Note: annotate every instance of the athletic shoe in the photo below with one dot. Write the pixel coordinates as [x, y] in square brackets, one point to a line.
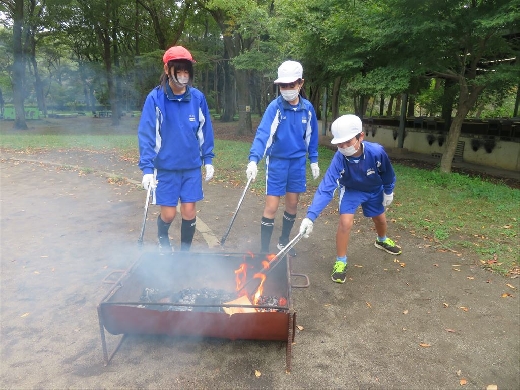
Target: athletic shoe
[164, 245]
[291, 253]
[339, 272]
[389, 246]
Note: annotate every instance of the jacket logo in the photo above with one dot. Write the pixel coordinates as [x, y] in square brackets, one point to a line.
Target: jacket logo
[304, 120]
[191, 118]
[370, 171]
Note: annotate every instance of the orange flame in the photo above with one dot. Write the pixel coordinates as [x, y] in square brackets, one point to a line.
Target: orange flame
[260, 289]
[241, 276]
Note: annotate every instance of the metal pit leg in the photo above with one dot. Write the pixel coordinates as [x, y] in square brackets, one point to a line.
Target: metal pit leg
[106, 358]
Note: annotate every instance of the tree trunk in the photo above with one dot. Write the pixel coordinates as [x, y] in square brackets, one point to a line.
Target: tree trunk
[397, 105]
[517, 101]
[447, 103]
[244, 107]
[467, 98]
[228, 90]
[18, 67]
[315, 99]
[389, 109]
[411, 107]
[335, 97]
[382, 105]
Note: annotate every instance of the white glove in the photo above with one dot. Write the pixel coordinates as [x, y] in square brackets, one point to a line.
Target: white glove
[387, 199]
[306, 227]
[252, 170]
[315, 170]
[149, 181]
[210, 171]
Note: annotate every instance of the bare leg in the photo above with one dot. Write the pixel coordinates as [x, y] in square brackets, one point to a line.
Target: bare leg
[343, 233]
[380, 225]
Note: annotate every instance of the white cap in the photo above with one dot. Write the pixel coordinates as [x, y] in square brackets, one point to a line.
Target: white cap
[289, 72]
[345, 127]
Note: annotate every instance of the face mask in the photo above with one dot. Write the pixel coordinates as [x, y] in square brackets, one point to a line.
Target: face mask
[349, 150]
[289, 94]
[181, 81]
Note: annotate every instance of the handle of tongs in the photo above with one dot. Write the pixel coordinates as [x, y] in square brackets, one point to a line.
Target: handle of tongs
[276, 260]
[224, 237]
[147, 203]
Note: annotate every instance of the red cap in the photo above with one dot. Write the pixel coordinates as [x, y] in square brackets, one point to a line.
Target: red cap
[177, 53]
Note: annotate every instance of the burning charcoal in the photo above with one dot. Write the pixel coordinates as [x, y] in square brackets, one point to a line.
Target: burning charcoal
[264, 300]
[149, 295]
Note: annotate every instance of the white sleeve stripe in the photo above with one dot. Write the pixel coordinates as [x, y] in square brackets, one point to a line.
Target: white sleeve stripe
[274, 126]
[200, 134]
[158, 123]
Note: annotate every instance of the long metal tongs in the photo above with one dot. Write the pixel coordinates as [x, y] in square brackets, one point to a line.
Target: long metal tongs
[147, 203]
[224, 237]
[276, 260]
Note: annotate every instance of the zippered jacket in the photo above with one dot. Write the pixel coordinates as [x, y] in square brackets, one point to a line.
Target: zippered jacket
[175, 133]
[369, 174]
[285, 132]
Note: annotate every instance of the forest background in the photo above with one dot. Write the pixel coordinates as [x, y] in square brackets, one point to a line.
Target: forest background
[451, 59]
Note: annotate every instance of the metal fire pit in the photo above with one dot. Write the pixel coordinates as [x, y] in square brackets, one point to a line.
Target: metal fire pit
[188, 294]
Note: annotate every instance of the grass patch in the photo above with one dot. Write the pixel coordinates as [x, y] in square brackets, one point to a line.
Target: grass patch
[456, 212]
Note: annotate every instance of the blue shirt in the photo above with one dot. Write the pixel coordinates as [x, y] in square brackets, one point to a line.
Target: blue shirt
[371, 172]
[286, 132]
[175, 132]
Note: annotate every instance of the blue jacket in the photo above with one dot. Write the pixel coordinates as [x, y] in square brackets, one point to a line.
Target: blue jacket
[175, 133]
[285, 132]
[372, 172]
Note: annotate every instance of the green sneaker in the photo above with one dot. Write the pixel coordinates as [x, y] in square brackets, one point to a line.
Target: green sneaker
[389, 246]
[339, 272]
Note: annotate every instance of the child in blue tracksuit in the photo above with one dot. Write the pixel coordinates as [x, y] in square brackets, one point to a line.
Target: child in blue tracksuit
[175, 138]
[363, 174]
[286, 136]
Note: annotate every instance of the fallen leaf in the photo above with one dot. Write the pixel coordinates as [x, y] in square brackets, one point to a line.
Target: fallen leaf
[24, 315]
[327, 304]
[425, 345]
[445, 304]
[396, 261]
[505, 295]
[359, 266]
[456, 269]
[37, 272]
[299, 327]
[459, 373]
[492, 387]
[455, 265]
[464, 308]
[258, 373]
[510, 286]
[470, 277]
[402, 264]
[436, 265]
[450, 330]
[369, 305]
[463, 382]
[405, 312]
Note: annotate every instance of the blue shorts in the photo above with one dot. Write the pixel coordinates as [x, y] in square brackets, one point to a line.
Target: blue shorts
[371, 202]
[285, 175]
[185, 185]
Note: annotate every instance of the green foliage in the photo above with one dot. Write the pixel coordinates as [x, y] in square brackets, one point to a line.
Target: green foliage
[389, 80]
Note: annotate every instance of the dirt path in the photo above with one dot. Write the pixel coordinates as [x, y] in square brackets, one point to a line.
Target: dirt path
[65, 229]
